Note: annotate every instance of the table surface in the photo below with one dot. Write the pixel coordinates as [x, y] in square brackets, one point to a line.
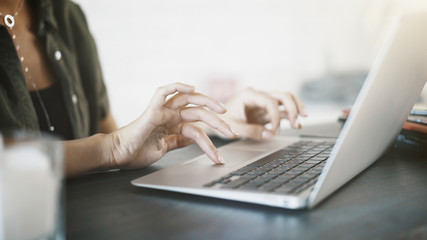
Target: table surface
[386, 201]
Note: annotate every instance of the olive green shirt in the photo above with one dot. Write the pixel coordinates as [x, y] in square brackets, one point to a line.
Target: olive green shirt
[72, 55]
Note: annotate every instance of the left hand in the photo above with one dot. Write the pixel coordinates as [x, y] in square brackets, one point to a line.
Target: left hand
[165, 125]
[250, 111]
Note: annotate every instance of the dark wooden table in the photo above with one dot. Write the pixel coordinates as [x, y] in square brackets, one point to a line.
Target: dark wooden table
[386, 201]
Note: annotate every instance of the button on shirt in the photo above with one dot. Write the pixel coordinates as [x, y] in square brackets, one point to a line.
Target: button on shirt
[58, 55]
[71, 51]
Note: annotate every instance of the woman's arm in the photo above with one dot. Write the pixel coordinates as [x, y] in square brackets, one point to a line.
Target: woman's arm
[86, 154]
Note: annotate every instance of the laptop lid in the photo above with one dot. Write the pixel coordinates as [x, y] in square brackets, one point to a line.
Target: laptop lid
[392, 87]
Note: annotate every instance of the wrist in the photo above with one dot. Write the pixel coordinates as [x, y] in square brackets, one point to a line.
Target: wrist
[88, 154]
[106, 150]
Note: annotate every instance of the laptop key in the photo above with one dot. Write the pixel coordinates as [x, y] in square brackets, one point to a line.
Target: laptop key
[296, 171]
[272, 164]
[311, 173]
[299, 168]
[284, 189]
[317, 168]
[248, 176]
[303, 178]
[281, 170]
[308, 164]
[319, 158]
[267, 176]
[266, 159]
[280, 181]
[237, 173]
[285, 177]
[303, 187]
[289, 164]
[249, 186]
[268, 187]
[295, 161]
[273, 173]
[247, 168]
[259, 180]
[259, 171]
[292, 173]
[236, 183]
[296, 182]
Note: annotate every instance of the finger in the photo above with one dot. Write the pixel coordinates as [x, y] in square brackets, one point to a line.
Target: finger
[177, 141]
[301, 109]
[300, 105]
[254, 131]
[291, 108]
[198, 135]
[193, 114]
[181, 100]
[162, 93]
[284, 115]
[270, 104]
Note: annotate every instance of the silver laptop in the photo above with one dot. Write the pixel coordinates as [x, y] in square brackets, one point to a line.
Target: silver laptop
[297, 173]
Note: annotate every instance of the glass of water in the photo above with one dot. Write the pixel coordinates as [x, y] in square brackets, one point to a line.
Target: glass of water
[31, 186]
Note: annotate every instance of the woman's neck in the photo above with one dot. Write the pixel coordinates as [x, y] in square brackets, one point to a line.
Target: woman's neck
[9, 6]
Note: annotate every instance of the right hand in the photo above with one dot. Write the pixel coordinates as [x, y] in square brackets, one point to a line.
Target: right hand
[166, 125]
[251, 110]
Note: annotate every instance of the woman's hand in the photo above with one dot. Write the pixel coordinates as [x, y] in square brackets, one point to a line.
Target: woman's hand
[165, 125]
[251, 110]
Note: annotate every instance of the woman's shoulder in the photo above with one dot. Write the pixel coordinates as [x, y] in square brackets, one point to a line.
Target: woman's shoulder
[69, 20]
[66, 11]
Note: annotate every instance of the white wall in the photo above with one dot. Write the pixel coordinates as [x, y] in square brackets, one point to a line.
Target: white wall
[268, 44]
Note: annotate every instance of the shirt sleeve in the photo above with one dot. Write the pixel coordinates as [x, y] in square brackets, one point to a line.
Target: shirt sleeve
[89, 68]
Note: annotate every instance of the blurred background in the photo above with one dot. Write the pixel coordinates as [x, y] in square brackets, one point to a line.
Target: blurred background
[321, 50]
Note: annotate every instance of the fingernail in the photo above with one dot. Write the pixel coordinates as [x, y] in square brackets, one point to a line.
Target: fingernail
[304, 112]
[236, 133]
[295, 123]
[221, 160]
[266, 134]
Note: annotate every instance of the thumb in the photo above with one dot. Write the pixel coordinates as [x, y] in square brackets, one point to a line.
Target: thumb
[254, 131]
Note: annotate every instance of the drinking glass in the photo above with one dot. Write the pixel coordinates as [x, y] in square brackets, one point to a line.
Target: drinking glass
[31, 186]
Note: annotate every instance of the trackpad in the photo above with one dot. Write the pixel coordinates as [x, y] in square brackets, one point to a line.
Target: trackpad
[232, 157]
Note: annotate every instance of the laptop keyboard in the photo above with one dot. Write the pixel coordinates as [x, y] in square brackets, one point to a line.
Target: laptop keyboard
[290, 170]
